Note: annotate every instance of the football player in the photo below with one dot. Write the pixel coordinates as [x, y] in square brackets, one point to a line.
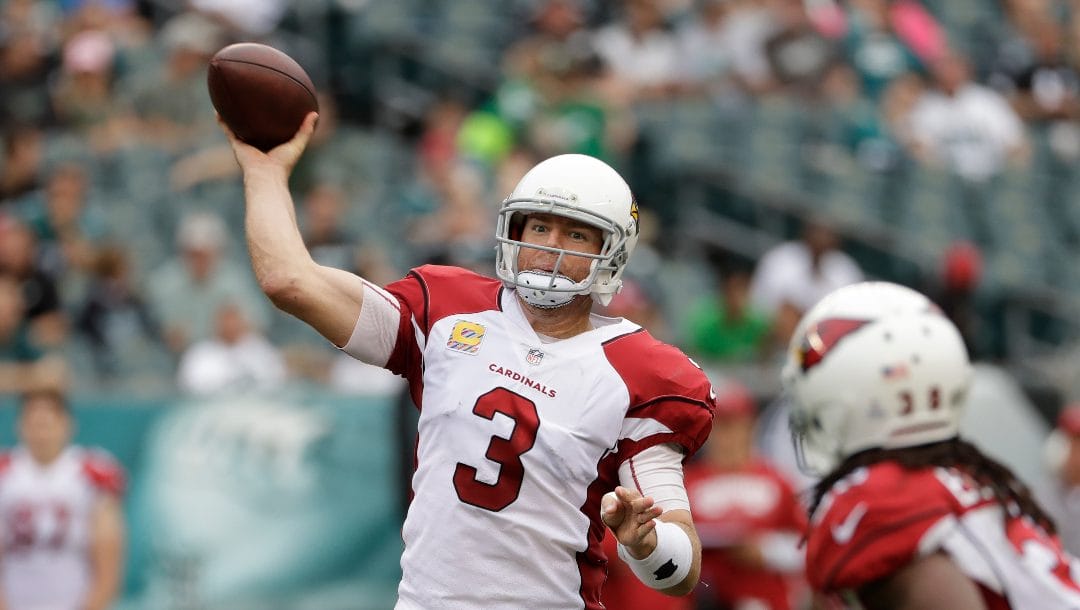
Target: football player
[748, 516]
[908, 514]
[540, 422]
[62, 536]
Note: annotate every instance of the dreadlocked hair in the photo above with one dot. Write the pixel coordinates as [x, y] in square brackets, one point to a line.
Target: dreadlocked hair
[1008, 489]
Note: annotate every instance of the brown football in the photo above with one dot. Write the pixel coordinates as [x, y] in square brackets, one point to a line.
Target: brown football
[261, 93]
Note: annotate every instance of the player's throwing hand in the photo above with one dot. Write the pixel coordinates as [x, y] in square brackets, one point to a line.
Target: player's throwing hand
[631, 518]
[283, 156]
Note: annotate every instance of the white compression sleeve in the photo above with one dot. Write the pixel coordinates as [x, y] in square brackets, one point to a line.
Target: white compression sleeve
[657, 472]
[375, 334]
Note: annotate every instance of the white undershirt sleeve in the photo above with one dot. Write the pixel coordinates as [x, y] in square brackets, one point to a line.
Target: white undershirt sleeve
[375, 334]
[657, 472]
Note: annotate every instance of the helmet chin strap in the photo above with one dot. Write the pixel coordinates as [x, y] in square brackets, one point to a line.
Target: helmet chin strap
[534, 288]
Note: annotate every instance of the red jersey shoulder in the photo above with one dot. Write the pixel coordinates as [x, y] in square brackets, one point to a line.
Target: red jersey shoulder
[870, 524]
[103, 471]
[664, 384]
[433, 292]
[651, 369]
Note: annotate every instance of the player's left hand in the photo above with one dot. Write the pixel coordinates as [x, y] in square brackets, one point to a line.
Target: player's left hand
[630, 516]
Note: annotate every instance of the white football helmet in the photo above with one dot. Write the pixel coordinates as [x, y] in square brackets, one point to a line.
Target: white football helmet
[873, 365]
[582, 188]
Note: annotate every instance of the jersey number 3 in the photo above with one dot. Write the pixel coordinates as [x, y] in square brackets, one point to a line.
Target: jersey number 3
[506, 452]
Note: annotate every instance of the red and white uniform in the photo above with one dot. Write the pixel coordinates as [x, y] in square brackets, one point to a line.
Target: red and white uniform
[878, 519]
[519, 437]
[754, 504]
[45, 512]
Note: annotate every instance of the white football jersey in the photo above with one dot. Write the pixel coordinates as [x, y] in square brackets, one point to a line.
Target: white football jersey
[45, 514]
[518, 439]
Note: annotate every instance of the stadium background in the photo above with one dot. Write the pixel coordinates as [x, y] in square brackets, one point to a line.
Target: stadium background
[430, 111]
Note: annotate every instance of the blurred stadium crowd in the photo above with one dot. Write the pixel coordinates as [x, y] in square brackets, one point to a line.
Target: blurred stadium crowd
[779, 148]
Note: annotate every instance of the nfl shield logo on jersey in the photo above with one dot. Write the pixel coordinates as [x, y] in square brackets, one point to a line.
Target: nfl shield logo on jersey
[534, 356]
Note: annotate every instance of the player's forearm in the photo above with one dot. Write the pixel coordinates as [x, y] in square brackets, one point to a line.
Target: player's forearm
[278, 255]
[106, 555]
[105, 583]
[691, 580]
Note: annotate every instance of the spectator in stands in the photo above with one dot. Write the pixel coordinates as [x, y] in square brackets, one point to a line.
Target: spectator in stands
[1035, 73]
[854, 124]
[1037, 78]
[236, 358]
[553, 24]
[568, 102]
[338, 156]
[171, 102]
[26, 46]
[887, 39]
[458, 226]
[22, 367]
[67, 223]
[791, 277]
[1060, 494]
[322, 224]
[704, 48]
[798, 54]
[725, 326]
[16, 348]
[748, 25]
[21, 167]
[19, 260]
[186, 292]
[247, 18]
[1008, 42]
[114, 318]
[751, 519]
[84, 97]
[896, 107]
[964, 126]
[641, 50]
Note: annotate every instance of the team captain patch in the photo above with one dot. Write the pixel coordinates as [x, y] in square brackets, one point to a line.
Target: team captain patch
[465, 337]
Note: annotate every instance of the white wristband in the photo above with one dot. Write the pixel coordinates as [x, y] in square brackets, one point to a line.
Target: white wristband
[670, 561]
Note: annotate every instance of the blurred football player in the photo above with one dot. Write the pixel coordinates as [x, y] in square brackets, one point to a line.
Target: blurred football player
[540, 423]
[62, 525]
[909, 515]
[748, 516]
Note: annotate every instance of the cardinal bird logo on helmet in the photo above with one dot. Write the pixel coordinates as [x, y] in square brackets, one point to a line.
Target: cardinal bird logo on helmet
[820, 338]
